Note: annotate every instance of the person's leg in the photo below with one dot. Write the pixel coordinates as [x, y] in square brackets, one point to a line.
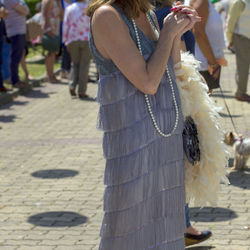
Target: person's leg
[24, 66]
[1, 62]
[49, 62]
[6, 60]
[66, 60]
[188, 223]
[192, 235]
[242, 48]
[17, 48]
[74, 49]
[84, 66]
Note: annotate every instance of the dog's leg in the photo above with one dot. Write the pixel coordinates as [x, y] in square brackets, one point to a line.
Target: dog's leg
[244, 161]
[236, 162]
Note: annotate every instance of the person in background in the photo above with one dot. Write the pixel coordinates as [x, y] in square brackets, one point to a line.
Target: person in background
[66, 60]
[16, 31]
[52, 13]
[75, 37]
[3, 14]
[210, 43]
[238, 35]
[163, 8]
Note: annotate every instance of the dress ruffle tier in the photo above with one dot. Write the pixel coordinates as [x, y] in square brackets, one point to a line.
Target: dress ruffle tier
[145, 196]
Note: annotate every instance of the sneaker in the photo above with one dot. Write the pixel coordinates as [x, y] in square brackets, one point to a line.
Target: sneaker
[4, 89]
[243, 98]
[72, 92]
[83, 96]
[64, 74]
[20, 85]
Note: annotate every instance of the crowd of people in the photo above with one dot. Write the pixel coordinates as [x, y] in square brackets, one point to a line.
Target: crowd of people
[53, 28]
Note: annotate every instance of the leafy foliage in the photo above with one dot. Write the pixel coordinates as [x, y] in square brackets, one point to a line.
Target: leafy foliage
[32, 5]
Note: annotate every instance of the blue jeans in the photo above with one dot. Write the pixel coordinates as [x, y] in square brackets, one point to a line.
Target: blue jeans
[17, 48]
[188, 224]
[1, 62]
[6, 60]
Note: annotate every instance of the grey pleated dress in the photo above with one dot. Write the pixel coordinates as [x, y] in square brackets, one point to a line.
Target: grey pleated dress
[145, 195]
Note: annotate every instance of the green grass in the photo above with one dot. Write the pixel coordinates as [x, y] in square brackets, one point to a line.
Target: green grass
[36, 67]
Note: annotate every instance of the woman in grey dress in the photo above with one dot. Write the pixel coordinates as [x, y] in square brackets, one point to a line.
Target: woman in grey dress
[140, 114]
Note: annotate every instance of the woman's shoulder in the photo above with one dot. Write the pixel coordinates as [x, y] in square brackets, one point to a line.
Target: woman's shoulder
[105, 12]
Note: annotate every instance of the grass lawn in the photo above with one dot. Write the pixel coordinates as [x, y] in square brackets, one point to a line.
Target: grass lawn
[35, 63]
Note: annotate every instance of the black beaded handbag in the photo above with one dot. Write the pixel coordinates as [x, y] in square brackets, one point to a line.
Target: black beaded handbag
[191, 141]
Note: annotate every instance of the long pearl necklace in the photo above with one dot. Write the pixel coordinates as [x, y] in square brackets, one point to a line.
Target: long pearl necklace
[171, 86]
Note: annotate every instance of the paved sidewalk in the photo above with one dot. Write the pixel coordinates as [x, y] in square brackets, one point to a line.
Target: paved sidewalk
[51, 170]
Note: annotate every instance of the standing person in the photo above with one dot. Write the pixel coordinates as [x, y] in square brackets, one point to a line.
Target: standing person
[210, 43]
[16, 31]
[75, 37]
[145, 196]
[3, 14]
[51, 15]
[163, 8]
[66, 60]
[238, 35]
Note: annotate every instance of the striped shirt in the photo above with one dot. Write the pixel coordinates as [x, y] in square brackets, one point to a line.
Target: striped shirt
[15, 23]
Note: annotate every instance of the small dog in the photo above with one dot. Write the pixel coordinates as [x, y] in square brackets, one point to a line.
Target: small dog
[241, 149]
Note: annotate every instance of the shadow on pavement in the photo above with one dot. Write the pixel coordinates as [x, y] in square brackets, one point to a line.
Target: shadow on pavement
[227, 115]
[89, 99]
[225, 96]
[38, 94]
[13, 103]
[7, 118]
[200, 248]
[240, 178]
[211, 214]
[57, 219]
[55, 173]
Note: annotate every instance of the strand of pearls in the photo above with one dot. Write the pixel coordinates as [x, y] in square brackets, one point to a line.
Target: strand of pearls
[171, 86]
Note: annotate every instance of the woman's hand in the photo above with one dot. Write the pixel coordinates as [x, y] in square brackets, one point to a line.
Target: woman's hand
[185, 15]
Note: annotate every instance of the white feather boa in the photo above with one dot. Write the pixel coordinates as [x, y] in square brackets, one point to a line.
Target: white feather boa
[203, 179]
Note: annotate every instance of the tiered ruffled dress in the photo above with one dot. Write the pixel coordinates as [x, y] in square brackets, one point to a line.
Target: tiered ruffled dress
[145, 195]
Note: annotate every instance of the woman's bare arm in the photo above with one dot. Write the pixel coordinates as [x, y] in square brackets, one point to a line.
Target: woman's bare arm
[46, 8]
[113, 40]
[201, 6]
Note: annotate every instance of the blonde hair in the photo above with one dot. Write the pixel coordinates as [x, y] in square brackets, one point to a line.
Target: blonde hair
[131, 8]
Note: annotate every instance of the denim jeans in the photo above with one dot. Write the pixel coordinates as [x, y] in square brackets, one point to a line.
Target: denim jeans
[66, 59]
[6, 60]
[17, 48]
[188, 224]
[1, 62]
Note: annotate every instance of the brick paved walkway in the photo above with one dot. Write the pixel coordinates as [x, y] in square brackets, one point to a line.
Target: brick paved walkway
[51, 171]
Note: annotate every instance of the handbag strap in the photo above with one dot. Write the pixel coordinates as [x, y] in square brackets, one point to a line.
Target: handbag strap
[156, 126]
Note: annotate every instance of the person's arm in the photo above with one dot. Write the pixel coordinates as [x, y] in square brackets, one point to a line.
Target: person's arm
[3, 12]
[21, 9]
[61, 9]
[46, 8]
[178, 44]
[199, 30]
[113, 41]
[234, 13]
[66, 27]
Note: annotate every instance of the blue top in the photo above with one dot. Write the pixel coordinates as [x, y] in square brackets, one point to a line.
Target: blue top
[188, 37]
